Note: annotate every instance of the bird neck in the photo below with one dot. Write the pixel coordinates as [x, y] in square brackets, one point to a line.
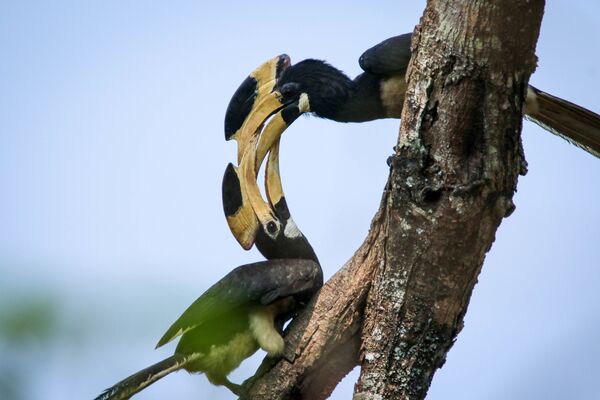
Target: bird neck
[372, 97]
[285, 247]
[362, 102]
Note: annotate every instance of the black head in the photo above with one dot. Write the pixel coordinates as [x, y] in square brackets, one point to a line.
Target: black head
[289, 241]
[326, 87]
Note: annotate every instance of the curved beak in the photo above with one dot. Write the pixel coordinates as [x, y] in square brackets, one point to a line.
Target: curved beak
[245, 208]
[273, 185]
[254, 97]
[242, 124]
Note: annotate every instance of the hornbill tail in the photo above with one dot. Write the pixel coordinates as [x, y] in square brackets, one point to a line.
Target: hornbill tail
[571, 122]
[142, 379]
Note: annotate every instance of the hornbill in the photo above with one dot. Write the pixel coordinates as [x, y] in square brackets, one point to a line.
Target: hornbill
[379, 93]
[247, 308]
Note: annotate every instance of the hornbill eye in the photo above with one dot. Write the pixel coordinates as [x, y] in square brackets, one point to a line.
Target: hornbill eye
[290, 90]
[271, 227]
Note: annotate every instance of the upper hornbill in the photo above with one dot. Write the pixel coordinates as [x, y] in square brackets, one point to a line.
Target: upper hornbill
[317, 87]
[247, 308]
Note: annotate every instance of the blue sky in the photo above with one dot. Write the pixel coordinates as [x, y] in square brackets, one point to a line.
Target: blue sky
[111, 159]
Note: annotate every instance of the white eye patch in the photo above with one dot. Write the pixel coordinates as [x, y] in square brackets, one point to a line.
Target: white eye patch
[303, 103]
[272, 229]
[291, 229]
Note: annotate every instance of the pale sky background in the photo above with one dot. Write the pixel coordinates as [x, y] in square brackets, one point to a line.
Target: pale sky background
[111, 224]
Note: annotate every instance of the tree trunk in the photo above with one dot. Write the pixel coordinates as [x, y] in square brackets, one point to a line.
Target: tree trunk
[396, 307]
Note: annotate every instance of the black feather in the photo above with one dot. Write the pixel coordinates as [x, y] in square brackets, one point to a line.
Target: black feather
[390, 57]
[142, 379]
[326, 86]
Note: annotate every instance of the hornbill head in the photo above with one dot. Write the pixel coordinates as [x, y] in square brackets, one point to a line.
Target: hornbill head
[289, 242]
[308, 86]
[272, 228]
[277, 86]
[321, 86]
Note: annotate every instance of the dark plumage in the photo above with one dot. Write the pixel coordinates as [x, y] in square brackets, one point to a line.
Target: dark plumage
[327, 87]
[219, 330]
[390, 57]
[331, 93]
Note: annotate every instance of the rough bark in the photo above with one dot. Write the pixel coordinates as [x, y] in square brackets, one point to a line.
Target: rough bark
[396, 307]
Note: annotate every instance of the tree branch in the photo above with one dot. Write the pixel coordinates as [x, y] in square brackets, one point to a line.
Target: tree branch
[323, 342]
[398, 304]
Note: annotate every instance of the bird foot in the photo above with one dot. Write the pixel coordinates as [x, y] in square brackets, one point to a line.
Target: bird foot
[234, 388]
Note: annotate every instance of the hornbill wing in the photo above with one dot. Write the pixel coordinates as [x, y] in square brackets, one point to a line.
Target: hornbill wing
[389, 57]
[259, 283]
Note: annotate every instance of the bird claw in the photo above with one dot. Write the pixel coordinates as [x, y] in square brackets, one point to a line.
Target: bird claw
[236, 389]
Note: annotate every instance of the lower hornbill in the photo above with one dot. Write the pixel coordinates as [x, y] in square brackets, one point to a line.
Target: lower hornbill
[379, 93]
[245, 310]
